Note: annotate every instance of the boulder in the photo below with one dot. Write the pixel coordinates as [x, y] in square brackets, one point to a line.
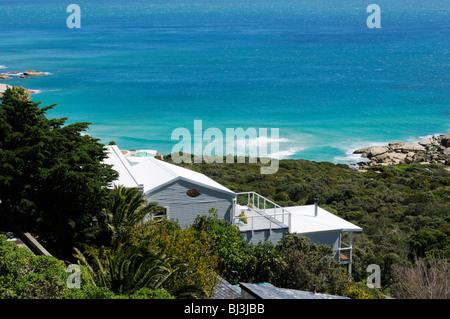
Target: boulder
[446, 151]
[427, 142]
[445, 141]
[34, 73]
[412, 147]
[384, 158]
[377, 150]
[363, 151]
[395, 145]
[408, 160]
[4, 76]
[400, 156]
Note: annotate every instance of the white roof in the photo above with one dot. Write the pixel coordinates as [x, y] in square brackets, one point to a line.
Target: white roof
[153, 173]
[121, 166]
[303, 220]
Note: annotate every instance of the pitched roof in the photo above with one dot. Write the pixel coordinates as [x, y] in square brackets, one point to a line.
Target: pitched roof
[154, 173]
[151, 173]
[121, 166]
[225, 290]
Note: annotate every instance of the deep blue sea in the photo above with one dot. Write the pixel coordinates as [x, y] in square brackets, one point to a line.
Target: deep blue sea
[137, 70]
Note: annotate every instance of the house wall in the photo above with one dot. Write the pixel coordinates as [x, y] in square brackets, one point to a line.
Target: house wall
[185, 209]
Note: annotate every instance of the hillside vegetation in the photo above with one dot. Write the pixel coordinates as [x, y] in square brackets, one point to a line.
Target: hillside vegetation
[404, 210]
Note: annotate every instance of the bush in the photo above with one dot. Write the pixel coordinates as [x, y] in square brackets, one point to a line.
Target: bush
[309, 267]
[25, 276]
[146, 293]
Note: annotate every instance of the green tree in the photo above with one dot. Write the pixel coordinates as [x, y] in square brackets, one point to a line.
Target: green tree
[52, 180]
[227, 244]
[309, 267]
[25, 276]
[197, 275]
[127, 208]
[125, 267]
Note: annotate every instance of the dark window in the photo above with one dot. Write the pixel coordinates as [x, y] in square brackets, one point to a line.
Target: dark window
[194, 192]
[160, 214]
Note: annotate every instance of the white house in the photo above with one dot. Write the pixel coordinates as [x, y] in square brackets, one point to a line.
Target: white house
[185, 194]
[182, 192]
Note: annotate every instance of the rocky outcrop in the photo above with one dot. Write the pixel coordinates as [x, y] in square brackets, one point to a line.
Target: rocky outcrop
[34, 73]
[25, 74]
[435, 149]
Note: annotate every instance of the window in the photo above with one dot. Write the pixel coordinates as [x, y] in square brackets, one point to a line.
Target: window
[194, 192]
[162, 213]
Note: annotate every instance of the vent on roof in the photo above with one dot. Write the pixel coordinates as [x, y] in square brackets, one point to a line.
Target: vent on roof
[194, 192]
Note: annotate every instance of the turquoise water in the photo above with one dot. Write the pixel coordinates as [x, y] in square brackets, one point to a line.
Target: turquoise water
[137, 70]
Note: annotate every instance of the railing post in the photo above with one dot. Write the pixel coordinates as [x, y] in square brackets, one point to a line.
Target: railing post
[253, 219]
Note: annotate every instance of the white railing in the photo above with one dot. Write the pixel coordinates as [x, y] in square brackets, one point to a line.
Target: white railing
[264, 208]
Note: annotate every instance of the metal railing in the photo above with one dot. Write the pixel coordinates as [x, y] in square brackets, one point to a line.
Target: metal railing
[265, 208]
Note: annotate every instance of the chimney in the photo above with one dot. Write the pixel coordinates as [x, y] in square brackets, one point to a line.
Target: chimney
[316, 206]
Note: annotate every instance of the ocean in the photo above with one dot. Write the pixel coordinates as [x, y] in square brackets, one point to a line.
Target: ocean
[138, 70]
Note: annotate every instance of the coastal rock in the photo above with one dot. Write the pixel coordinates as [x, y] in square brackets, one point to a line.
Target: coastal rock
[34, 73]
[377, 150]
[363, 151]
[414, 147]
[446, 151]
[445, 141]
[4, 76]
[395, 145]
[434, 149]
[400, 156]
[427, 142]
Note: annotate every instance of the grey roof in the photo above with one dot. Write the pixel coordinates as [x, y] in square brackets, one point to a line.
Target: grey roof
[225, 290]
[268, 291]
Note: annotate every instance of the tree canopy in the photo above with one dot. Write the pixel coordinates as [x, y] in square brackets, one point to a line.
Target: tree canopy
[52, 179]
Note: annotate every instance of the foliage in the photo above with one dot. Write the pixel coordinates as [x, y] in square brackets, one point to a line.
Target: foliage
[145, 293]
[309, 266]
[403, 209]
[52, 181]
[125, 268]
[358, 291]
[145, 253]
[126, 208]
[227, 244]
[197, 275]
[426, 278]
[25, 276]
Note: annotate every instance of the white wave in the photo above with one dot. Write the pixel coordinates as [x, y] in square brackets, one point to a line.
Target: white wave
[286, 153]
[35, 91]
[428, 136]
[350, 147]
[2, 67]
[261, 141]
[15, 74]
[349, 157]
